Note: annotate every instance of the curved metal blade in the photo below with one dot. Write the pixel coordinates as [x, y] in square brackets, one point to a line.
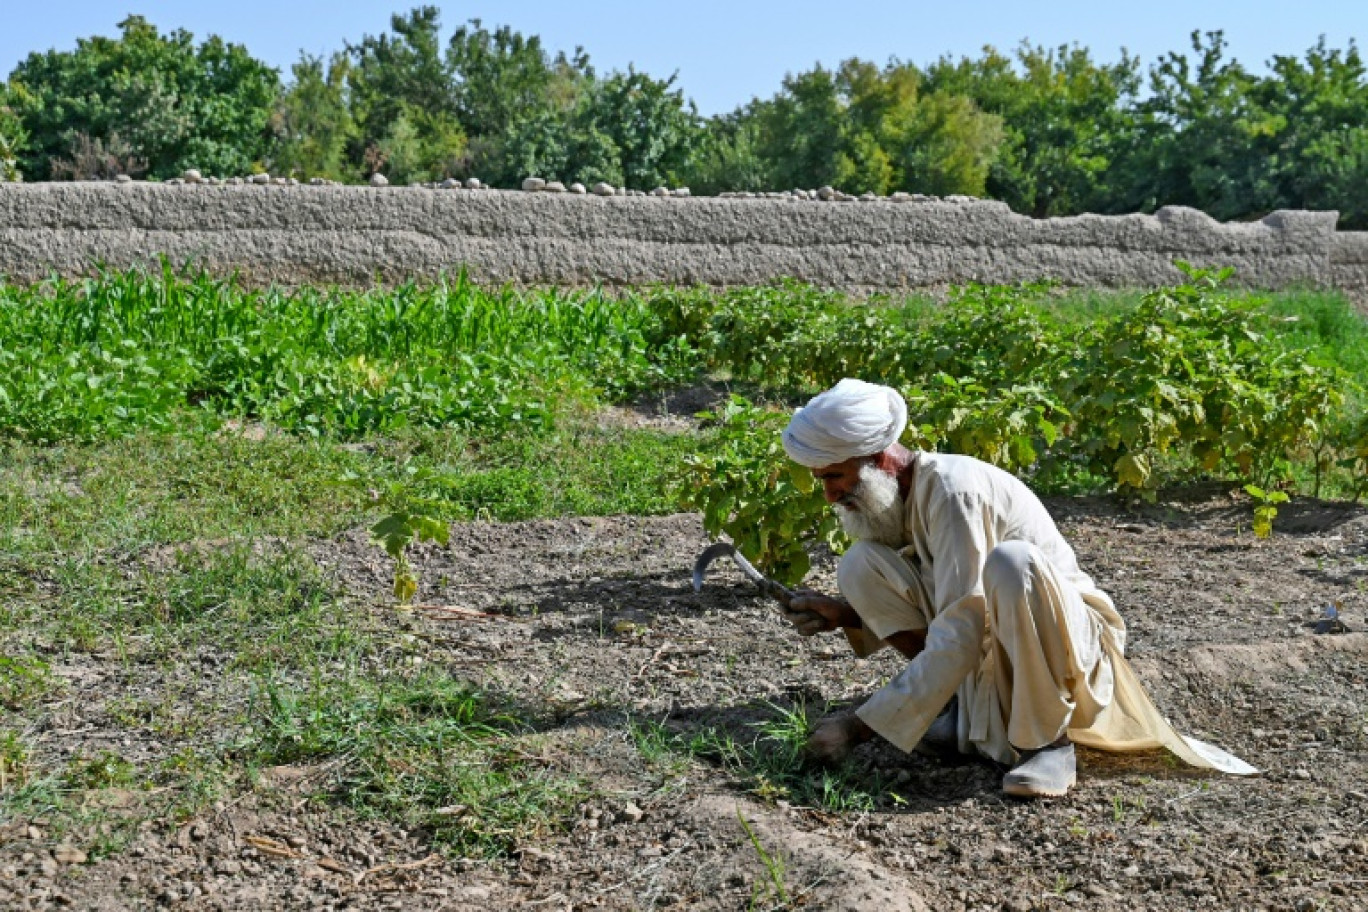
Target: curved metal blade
[719, 549]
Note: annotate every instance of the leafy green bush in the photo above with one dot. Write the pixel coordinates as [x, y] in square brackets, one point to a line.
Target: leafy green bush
[1191, 371]
[748, 490]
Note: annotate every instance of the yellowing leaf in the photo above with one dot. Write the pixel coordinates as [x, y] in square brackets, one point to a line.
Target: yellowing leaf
[1133, 469]
[405, 587]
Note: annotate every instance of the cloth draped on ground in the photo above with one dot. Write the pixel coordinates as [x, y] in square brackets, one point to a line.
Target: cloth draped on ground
[1024, 637]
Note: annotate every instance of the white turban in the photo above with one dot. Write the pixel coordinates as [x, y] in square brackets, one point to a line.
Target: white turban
[850, 420]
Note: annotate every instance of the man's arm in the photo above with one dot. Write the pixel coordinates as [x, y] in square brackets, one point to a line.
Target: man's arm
[812, 613]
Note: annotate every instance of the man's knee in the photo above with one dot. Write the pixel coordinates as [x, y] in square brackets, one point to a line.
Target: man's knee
[863, 571]
[1007, 571]
[883, 588]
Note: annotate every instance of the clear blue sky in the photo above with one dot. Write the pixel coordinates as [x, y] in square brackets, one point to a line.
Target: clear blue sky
[727, 52]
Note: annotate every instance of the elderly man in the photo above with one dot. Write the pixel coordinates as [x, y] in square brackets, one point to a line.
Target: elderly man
[957, 565]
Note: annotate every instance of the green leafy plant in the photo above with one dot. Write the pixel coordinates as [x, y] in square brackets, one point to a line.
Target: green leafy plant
[1349, 441]
[408, 520]
[124, 351]
[747, 488]
[1190, 381]
[103, 769]
[1265, 508]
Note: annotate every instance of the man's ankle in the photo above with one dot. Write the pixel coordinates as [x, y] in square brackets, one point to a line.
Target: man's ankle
[1061, 741]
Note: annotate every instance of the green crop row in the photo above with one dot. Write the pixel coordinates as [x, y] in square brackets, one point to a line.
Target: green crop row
[128, 350]
[1129, 393]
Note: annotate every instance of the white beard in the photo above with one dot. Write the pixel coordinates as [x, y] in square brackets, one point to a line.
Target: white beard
[873, 511]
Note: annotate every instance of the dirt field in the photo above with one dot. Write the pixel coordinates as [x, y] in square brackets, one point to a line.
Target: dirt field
[594, 623]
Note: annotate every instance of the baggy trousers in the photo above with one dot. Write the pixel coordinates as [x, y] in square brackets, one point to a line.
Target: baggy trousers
[1026, 649]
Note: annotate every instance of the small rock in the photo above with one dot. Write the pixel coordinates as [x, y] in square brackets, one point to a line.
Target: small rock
[868, 197]
[296, 842]
[379, 180]
[661, 191]
[1301, 773]
[1131, 871]
[474, 184]
[681, 192]
[123, 179]
[533, 184]
[191, 176]
[69, 855]
[631, 813]
[316, 182]
[603, 189]
[577, 187]
[554, 187]
[826, 193]
[262, 178]
[34, 833]
[450, 183]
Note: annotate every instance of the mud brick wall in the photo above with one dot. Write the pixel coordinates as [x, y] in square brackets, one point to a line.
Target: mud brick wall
[1349, 265]
[357, 235]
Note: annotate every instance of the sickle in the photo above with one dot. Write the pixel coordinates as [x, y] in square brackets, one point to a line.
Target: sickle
[780, 593]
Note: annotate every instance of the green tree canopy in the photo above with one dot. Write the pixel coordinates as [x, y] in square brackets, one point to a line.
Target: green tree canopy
[158, 102]
[13, 137]
[1214, 136]
[313, 123]
[1063, 116]
[1051, 131]
[404, 103]
[861, 128]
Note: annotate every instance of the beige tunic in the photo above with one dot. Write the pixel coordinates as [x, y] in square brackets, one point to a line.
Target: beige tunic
[1030, 644]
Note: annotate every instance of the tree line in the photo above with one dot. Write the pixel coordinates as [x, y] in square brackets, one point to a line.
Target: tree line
[1050, 131]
